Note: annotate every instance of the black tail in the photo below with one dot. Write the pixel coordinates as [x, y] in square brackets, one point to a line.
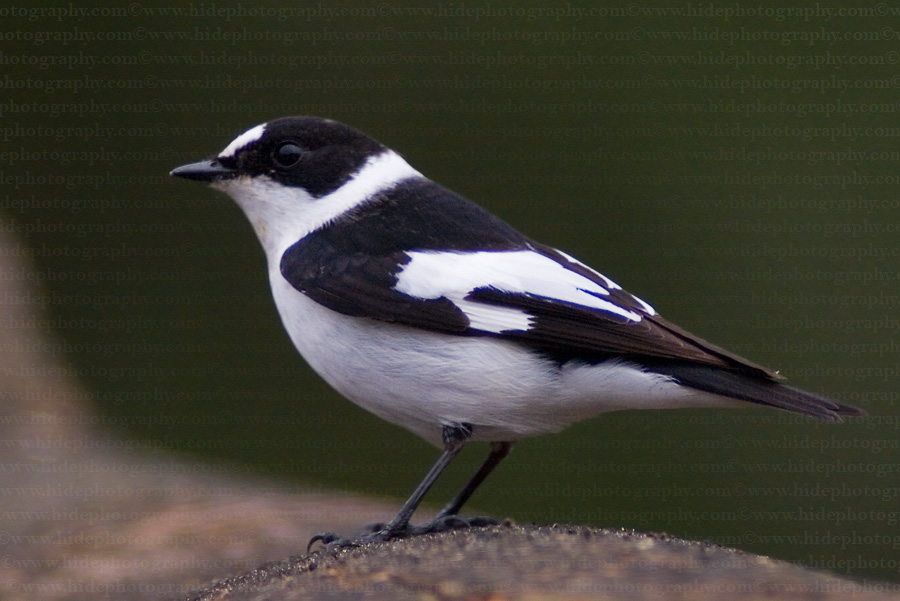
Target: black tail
[756, 389]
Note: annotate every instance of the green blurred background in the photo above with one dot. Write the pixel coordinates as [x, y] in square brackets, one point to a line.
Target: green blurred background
[734, 165]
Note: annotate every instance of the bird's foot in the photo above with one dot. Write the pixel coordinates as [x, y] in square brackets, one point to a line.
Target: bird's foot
[370, 533]
[446, 523]
[379, 532]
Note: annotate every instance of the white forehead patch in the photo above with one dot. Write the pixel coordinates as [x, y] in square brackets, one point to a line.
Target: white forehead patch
[251, 135]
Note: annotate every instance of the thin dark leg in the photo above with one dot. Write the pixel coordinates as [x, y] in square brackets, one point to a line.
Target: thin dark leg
[454, 439]
[499, 451]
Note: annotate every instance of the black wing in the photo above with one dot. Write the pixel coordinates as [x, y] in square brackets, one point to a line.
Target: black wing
[481, 278]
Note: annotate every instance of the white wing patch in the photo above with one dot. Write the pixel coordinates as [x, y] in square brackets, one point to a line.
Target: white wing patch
[647, 307]
[491, 318]
[251, 135]
[453, 275]
[613, 286]
[609, 283]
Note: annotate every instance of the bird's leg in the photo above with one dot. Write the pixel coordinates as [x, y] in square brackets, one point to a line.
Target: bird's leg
[447, 517]
[455, 437]
[499, 451]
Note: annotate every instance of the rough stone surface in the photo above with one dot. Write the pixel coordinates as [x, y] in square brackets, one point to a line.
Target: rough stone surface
[556, 562]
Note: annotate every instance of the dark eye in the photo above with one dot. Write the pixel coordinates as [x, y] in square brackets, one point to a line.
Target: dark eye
[287, 154]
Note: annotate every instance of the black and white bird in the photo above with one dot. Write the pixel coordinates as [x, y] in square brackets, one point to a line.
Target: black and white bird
[434, 314]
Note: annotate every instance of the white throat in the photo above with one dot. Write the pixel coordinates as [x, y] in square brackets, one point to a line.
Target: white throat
[282, 215]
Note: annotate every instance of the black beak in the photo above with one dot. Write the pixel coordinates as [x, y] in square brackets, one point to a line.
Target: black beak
[204, 171]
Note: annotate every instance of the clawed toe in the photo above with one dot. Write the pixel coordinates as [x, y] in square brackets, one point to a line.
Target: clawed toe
[331, 540]
[370, 533]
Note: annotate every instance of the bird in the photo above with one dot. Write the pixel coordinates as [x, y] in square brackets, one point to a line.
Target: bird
[434, 314]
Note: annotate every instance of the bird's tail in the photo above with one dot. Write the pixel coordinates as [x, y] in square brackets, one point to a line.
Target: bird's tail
[756, 389]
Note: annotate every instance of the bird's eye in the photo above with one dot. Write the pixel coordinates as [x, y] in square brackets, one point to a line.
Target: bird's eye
[287, 154]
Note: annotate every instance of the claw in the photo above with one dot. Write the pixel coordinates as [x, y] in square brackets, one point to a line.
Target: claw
[365, 535]
[331, 540]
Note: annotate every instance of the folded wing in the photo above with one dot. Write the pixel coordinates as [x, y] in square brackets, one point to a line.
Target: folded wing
[541, 298]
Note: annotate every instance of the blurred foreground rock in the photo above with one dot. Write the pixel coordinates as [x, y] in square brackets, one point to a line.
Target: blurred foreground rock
[85, 514]
[88, 515]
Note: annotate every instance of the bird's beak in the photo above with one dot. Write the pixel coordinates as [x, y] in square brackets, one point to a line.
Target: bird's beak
[204, 171]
